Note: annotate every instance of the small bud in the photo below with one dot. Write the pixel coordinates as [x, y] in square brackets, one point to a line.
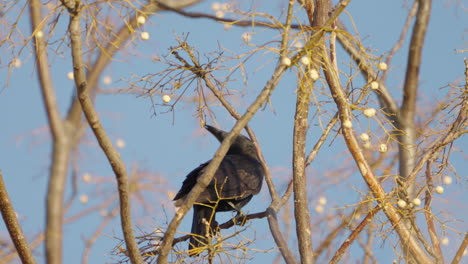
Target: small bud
[374, 85]
[322, 200]
[70, 76]
[144, 35]
[364, 137]
[439, 189]
[219, 14]
[347, 124]
[417, 201]
[107, 80]
[120, 143]
[141, 20]
[39, 34]
[246, 37]
[402, 204]
[166, 98]
[305, 60]
[369, 112]
[227, 26]
[383, 148]
[444, 241]
[298, 45]
[367, 145]
[447, 180]
[383, 66]
[215, 6]
[84, 198]
[286, 61]
[314, 75]
[319, 209]
[17, 63]
[225, 7]
[87, 177]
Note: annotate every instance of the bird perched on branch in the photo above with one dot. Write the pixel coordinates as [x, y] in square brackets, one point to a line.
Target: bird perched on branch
[238, 178]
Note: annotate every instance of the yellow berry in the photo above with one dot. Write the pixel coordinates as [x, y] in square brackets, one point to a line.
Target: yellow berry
[383, 148]
[369, 112]
[286, 61]
[166, 98]
[145, 35]
[383, 66]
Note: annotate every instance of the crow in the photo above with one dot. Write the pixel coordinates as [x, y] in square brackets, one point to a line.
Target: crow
[238, 178]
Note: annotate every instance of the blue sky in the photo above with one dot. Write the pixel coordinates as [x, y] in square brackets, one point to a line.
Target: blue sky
[171, 144]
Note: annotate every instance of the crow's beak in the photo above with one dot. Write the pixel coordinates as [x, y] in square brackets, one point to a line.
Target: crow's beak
[219, 134]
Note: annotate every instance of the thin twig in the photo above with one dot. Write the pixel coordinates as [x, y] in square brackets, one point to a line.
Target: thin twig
[407, 137]
[429, 216]
[344, 247]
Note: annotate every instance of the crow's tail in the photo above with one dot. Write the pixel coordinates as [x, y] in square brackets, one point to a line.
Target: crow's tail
[203, 222]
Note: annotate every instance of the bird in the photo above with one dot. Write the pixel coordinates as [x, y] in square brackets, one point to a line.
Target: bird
[238, 178]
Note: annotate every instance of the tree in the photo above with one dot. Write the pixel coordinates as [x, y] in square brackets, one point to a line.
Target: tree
[386, 155]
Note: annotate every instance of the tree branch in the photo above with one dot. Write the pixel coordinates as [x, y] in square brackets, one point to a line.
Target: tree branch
[377, 190]
[14, 229]
[61, 148]
[428, 214]
[407, 137]
[340, 252]
[461, 250]
[83, 92]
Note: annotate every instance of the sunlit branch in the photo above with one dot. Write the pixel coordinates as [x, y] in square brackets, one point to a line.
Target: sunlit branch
[348, 241]
[429, 216]
[301, 124]
[60, 137]
[407, 139]
[378, 192]
[14, 229]
[83, 91]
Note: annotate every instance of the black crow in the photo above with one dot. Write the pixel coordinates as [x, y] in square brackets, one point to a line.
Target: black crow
[238, 178]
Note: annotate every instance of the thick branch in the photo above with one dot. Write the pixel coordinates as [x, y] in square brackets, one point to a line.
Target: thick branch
[60, 151]
[299, 163]
[11, 223]
[301, 201]
[410, 242]
[459, 255]
[101, 136]
[407, 138]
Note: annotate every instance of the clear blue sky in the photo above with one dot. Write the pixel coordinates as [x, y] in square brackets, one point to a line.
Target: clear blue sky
[171, 144]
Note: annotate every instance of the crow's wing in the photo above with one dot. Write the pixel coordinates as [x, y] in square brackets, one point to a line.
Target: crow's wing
[237, 177]
[190, 181]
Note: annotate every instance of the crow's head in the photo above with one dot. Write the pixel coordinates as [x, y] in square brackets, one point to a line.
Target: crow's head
[241, 145]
